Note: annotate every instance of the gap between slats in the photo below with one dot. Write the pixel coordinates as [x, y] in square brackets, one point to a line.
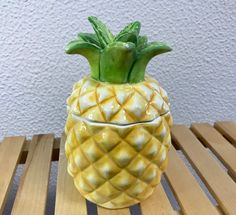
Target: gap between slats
[13, 189]
[217, 181]
[50, 206]
[158, 202]
[68, 199]
[134, 209]
[19, 171]
[189, 190]
[223, 150]
[228, 130]
[31, 196]
[55, 152]
[11, 148]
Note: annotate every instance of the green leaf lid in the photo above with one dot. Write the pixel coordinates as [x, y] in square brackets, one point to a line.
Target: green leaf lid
[116, 59]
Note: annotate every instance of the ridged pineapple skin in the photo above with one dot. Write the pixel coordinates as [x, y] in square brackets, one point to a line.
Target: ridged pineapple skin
[118, 103]
[117, 141]
[117, 166]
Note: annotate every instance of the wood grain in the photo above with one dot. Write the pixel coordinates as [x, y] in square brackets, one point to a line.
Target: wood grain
[191, 198]
[10, 151]
[104, 211]
[157, 203]
[37, 154]
[68, 198]
[220, 184]
[55, 152]
[228, 129]
[218, 144]
[31, 196]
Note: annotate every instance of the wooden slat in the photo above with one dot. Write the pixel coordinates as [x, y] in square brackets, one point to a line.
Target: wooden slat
[103, 211]
[228, 129]
[157, 203]
[10, 150]
[191, 198]
[55, 152]
[56, 144]
[32, 192]
[68, 198]
[218, 182]
[218, 144]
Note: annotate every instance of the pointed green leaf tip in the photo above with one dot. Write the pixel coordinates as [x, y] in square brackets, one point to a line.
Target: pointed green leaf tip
[103, 33]
[129, 33]
[89, 50]
[116, 59]
[143, 58]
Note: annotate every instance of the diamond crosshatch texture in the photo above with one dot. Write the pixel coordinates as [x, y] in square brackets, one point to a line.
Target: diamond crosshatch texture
[113, 164]
[120, 104]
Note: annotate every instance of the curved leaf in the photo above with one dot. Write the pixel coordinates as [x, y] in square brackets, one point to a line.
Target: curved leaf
[90, 51]
[144, 56]
[103, 33]
[76, 46]
[89, 37]
[129, 33]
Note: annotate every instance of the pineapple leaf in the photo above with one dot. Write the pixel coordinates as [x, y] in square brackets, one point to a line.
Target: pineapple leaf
[75, 46]
[103, 33]
[116, 61]
[90, 51]
[141, 42]
[88, 37]
[129, 33]
[144, 56]
[119, 59]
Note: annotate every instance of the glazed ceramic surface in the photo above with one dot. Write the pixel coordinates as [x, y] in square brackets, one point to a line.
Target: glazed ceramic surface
[118, 125]
[118, 103]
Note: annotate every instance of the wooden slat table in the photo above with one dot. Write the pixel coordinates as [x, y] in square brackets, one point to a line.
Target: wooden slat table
[202, 163]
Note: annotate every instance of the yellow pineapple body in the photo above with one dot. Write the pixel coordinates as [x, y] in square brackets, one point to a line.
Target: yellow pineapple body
[118, 137]
[118, 103]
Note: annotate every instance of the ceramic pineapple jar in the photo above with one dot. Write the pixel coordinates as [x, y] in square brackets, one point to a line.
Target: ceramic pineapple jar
[118, 125]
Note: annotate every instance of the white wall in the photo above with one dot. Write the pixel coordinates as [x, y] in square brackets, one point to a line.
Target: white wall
[36, 76]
